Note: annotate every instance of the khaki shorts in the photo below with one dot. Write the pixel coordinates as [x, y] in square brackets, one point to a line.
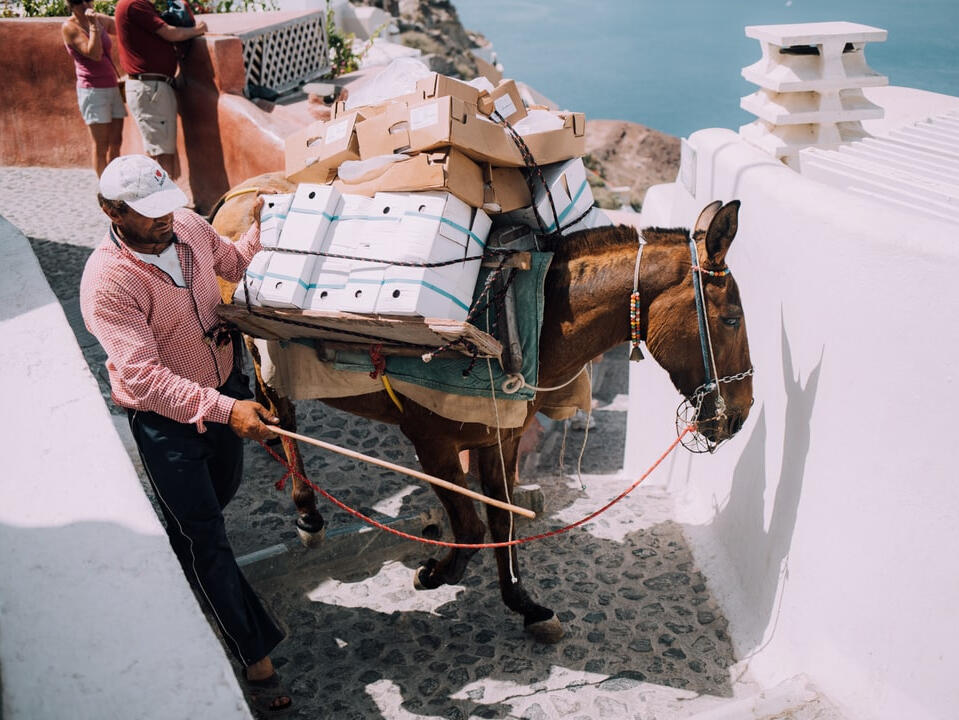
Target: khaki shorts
[100, 106]
[153, 107]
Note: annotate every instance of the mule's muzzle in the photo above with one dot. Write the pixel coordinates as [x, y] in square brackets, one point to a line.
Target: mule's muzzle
[711, 423]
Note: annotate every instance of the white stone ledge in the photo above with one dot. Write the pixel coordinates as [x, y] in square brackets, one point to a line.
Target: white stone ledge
[96, 617]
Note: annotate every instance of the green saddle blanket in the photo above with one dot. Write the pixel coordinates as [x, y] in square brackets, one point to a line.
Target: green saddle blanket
[447, 373]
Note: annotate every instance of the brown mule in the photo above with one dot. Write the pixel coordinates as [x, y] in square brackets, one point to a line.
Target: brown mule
[587, 312]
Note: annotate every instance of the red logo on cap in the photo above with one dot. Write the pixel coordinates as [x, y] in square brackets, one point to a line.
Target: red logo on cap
[159, 176]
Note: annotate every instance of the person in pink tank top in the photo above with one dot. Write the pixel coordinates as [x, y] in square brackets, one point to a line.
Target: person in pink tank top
[86, 33]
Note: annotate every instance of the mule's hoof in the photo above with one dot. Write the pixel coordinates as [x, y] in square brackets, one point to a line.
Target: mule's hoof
[421, 579]
[546, 631]
[311, 530]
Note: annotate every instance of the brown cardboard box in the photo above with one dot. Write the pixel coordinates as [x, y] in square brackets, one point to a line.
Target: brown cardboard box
[490, 72]
[504, 189]
[506, 100]
[314, 153]
[436, 85]
[451, 121]
[442, 170]
[564, 143]
[339, 108]
[432, 86]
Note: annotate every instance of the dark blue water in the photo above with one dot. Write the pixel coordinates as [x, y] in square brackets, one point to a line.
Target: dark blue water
[675, 66]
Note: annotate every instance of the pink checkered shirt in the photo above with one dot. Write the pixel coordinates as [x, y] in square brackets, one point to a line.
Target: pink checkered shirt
[158, 355]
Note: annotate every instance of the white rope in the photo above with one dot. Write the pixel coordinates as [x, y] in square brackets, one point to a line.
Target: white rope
[514, 382]
[589, 415]
[502, 460]
[639, 255]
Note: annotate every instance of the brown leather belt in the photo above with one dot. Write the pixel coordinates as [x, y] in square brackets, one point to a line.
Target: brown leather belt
[146, 77]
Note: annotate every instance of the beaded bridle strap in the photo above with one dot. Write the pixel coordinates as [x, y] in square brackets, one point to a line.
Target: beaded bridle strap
[635, 332]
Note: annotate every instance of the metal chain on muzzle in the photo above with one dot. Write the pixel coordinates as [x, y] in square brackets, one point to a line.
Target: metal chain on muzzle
[689, 410]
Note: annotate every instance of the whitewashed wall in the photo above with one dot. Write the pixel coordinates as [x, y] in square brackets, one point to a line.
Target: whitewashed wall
[828, 526]
[97, 620]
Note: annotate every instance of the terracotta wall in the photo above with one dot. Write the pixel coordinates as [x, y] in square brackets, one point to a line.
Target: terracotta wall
[224, 138]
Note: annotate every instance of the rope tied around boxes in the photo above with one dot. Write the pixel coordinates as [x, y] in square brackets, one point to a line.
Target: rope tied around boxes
[482, 300]
[533, 172]
[532, 169]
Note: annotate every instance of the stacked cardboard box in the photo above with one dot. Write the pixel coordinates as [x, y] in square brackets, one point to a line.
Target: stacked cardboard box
[418, 179]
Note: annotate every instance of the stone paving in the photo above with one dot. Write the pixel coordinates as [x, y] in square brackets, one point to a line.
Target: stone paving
[645, 639]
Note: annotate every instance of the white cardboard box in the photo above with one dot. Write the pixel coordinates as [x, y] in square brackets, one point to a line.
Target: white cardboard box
[272, 216]
[288, 276]
[571, 193]
[328, 287]
[364, 286]
[255, 272]
[371, 232]
[350, 225]
[436, 227]
[311, 213]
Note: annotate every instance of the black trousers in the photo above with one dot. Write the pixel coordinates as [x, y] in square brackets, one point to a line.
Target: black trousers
[194, 476]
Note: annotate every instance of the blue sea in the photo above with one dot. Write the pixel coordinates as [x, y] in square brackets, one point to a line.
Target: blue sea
[675, 65]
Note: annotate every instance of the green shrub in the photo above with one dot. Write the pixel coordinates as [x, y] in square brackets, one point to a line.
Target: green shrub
[49, 8]
[342, 58]
[60, 8]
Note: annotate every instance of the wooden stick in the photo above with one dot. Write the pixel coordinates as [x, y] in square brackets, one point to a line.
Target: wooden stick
[406, 471]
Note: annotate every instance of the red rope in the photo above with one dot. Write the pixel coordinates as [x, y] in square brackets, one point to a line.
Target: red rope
[379, 362]
[472, 546]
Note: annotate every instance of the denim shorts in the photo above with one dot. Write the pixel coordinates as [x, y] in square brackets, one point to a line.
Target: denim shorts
[100, 105]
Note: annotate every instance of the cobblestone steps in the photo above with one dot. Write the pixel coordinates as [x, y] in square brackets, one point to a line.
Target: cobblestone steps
[645, 638]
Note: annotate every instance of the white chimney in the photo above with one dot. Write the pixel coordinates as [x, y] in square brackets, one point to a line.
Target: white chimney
[810, 82]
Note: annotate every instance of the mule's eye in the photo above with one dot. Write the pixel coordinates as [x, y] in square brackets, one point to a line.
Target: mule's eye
[731, 321]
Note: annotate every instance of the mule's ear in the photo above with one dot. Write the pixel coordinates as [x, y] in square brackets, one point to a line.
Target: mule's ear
[722, 230]
[706, 217]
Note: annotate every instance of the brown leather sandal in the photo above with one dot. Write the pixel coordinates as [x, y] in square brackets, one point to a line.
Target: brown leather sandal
[269, 695]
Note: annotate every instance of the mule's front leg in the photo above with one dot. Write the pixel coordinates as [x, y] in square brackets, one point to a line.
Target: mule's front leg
[309, 522]
[539, 621]
[443, 462]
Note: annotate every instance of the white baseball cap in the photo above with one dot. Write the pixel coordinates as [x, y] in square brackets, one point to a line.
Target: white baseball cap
[142, 184]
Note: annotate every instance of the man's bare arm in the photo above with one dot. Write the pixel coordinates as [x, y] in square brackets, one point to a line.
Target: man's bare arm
[179, 34]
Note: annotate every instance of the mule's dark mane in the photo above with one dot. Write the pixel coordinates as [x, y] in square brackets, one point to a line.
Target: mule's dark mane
[591, 242]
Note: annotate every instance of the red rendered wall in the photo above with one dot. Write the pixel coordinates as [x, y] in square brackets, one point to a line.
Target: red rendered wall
[224, 138]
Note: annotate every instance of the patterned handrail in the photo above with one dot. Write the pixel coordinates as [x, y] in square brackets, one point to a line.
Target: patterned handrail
[283, 56]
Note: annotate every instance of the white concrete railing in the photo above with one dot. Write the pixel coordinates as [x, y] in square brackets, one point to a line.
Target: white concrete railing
[827, 526]
[96, 617]
[810, 80]
[916, 167]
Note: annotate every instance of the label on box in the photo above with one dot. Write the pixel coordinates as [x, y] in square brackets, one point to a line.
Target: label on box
[424, 116]
[336, 132]
[504, 106]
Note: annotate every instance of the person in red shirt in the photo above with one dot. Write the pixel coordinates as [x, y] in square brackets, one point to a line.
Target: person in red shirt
[149, 294]
[86, 34]
[148, 57]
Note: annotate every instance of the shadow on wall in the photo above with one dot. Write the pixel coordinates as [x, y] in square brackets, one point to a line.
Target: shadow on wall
[765, 567]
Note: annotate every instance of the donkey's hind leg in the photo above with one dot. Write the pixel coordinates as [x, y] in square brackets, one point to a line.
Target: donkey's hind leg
[440, 459]
[309, 522]
[539, 621]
